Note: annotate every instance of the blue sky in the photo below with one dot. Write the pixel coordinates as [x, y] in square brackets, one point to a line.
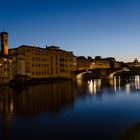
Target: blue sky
[109, 28]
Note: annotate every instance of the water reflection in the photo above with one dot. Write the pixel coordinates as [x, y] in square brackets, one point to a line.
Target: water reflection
[51, 98]
[6, 104]
[137, 82]
[117, 84]
[130, 84]
[68, 107]
[94, 86]
[127, 87]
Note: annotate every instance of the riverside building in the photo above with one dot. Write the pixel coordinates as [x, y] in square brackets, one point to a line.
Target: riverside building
[5, 62]
[36, 62]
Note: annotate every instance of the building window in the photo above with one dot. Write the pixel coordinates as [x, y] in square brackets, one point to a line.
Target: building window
[61, 70]
[61, 59]
[48, 71]
[27, 50]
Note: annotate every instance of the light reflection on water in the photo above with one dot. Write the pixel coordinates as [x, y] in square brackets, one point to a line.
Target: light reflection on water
[127, 85]
[94, 86]
[82, 108]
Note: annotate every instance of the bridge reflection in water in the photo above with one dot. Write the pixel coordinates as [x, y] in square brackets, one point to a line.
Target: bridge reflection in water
[94, 86]
[116, 84]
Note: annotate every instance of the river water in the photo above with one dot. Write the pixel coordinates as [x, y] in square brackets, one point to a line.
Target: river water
[97, 108]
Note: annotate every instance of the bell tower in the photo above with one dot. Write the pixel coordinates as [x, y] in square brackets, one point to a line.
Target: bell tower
[4, 44]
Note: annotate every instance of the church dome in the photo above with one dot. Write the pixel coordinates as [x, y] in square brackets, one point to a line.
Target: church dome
[136, 60]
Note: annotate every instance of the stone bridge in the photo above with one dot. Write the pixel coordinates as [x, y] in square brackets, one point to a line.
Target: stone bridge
[107, 73]
[111, 75]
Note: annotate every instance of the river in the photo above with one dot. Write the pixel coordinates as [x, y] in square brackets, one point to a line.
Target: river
[97, 108]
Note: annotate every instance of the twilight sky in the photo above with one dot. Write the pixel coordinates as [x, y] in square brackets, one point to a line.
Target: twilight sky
[109, 28]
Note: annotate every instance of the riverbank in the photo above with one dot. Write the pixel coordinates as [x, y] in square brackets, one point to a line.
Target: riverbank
[18, 83]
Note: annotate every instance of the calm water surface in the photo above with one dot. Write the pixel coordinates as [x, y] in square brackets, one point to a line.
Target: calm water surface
[97, 109]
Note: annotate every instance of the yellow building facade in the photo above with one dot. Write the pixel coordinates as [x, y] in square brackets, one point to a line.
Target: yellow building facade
[36, 62]
[102, 64]
[4, 44]
[83, 63]
[5, 70]
[5, 62]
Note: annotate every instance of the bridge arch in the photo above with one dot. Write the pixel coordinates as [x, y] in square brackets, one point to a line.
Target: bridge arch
[80, 75]
[111, 75]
